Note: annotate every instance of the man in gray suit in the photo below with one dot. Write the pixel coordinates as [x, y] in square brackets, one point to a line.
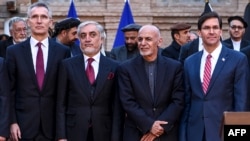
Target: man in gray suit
[129, 50]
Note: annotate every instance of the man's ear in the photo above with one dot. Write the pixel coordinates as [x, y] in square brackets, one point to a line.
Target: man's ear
[176, 36]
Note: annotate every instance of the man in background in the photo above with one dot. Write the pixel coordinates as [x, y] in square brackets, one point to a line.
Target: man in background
[180, 33]
[237, 27]
[130, 49]
[65, 32]
[18, 33]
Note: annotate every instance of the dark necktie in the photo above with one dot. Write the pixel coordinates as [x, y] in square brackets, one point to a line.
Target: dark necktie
[90, 71]
[39, 66]
[207, 73]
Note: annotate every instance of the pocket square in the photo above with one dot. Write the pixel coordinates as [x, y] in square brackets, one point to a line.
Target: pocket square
[111, 75]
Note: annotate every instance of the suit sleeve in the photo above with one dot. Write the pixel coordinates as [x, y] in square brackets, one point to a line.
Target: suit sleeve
[129, 102]
[241, 88]
[4, 100]
[61, 103]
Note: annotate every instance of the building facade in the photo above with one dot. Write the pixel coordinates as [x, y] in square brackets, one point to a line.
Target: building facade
[162, 13]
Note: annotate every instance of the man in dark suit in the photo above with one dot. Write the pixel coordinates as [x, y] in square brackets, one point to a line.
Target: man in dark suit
[130, 49]
[18, 31]
[33, 66]
[65, 32]
[88, 105]
[216, 80]
[237, 27]
[151, 92]
[180, 35]
[4, 101]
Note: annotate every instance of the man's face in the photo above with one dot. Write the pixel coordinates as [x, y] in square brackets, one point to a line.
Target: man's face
[236, 30]
[182, 37]
[131, 40]
[210, 33]
[70, 36]
[39, 21]
[148, 42]
[90, 40]
[19, 31]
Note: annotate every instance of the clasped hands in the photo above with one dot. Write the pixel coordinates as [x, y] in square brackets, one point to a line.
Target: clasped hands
[156, 131]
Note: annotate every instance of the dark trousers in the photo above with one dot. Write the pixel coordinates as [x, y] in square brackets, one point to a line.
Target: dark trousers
[90, 134]
[39, 137]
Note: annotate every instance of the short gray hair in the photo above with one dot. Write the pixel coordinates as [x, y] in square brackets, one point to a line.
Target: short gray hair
[98, 26]
[14, 20]
[39, 4]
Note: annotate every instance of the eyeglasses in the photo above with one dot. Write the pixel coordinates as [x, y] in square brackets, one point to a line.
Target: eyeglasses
[234, 27]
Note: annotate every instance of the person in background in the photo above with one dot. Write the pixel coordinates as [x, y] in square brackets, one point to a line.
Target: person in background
[130, 49]
[180, 34]
[193, 35]
[87, 101]
[4, 37]
[216, 80]
[4, 101]
[151, 91]
[65, 32]
[237, 27]
[33, 66]
[18, 33]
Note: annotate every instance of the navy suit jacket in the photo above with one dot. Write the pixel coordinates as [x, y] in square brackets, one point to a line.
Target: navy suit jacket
[228, 91]
[141, 109]
[81, 105]
[4, 100]
[31, 108]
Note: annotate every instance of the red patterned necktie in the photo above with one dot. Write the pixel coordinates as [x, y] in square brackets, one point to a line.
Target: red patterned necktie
[207, 73]
[39, 66]
[90, 71]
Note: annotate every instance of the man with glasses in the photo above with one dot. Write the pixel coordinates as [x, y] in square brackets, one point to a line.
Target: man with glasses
[18, 32]
[237, 26]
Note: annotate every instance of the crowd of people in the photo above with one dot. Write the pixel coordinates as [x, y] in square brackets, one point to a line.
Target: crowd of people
[53, 88]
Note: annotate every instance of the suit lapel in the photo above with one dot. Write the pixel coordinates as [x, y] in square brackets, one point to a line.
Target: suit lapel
[84, 84]
[218, 67]
[104, 70]
[29, 60]
[142, 75]
[197, 63]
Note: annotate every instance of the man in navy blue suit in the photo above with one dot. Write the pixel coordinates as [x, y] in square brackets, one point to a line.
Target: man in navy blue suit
[33, 88]
[4, 101]
[212, 87]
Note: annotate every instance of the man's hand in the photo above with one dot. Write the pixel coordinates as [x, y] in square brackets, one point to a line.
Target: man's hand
[2, 138]
[148, 137]
[62, 140]
[157, 129]
[15, 133]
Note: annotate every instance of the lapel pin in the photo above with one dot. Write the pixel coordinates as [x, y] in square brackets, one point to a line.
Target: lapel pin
[223, 59]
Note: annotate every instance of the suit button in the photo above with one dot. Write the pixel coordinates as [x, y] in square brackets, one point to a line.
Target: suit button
[154, 109]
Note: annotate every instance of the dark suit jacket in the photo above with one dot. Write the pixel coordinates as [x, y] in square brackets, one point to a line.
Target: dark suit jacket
[172, 51]
[121, 53]
[31, 108]
[3, 46]
[4, 100]
[228, 91]
[81, 105]
[246, 51]
[142, 110]
[243, 43]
